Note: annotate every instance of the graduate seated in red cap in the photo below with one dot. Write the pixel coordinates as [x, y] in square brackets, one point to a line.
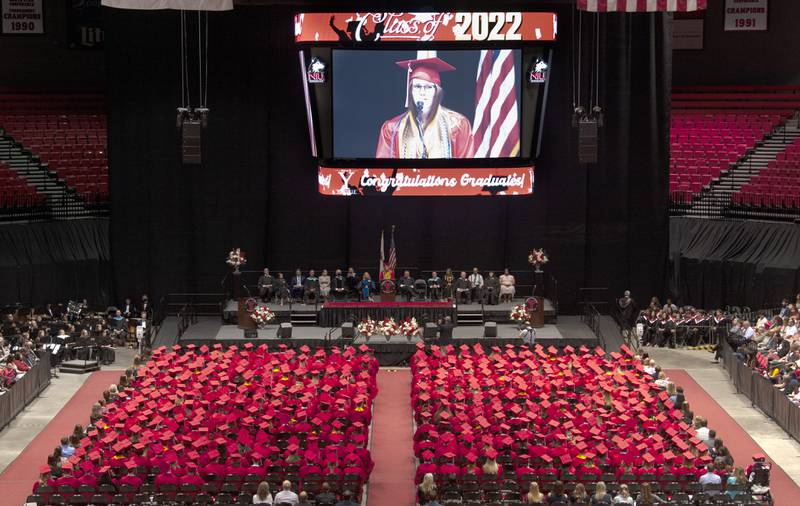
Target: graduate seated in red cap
[426, 129]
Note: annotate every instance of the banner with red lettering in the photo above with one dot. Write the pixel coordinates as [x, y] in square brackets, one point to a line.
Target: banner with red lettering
[402, 182]
[425, 26]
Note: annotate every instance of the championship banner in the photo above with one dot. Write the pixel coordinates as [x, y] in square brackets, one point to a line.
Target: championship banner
[427, 182]
[745, 15]
[425, 26]
[22, 17]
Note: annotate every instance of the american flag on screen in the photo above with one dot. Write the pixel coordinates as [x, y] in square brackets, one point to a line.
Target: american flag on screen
[496, 124]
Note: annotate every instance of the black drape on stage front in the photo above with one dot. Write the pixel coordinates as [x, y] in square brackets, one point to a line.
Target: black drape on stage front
[54, 262]
[715, 263]
[603, 224]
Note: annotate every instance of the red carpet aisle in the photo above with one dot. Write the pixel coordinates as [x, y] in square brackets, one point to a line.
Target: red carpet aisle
[17, 480]
[742, 447]
[392, 480]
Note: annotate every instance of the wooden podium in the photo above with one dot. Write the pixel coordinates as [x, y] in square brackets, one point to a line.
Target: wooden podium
[388, 290]
[536, 311]
[245, 322]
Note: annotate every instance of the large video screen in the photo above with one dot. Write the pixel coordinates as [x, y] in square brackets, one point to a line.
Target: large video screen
[463, 104]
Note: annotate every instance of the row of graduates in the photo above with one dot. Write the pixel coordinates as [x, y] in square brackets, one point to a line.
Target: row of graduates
[540, 407]
[681, 328]
[237, 411]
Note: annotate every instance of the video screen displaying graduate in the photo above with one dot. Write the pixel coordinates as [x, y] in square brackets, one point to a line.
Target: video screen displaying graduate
[426, 104]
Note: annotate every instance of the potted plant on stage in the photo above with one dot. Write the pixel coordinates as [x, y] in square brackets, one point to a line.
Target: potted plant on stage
[236, 258]
[366, 327]
[409, 327]
[388, 328]
[520, 314]
[537, 258]
[262, 315]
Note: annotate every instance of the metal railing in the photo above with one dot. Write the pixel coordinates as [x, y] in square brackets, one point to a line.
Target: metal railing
[591, 317]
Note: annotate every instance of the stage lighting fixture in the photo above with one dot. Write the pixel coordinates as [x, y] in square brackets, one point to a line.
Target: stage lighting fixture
[598, 115]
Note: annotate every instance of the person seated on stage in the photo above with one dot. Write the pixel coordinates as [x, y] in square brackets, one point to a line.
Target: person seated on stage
[324, 284]
[448, 284]
[311, 287]
[507, 289]
[145, 305]
[339, 286]
[406, 286]
[435, 286]
[128, 309]
[476, 285]
[463, 288]
[491, 289]
[352, 283]
[281, 290]
[265, 285]
[297, 285]
[365, 287]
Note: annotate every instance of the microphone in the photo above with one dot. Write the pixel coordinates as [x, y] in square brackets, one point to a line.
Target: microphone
[420, 106]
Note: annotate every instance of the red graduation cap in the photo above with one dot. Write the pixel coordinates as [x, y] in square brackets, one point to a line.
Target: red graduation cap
[44, 470]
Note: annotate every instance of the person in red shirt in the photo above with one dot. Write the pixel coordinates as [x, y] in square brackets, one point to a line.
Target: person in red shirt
[19, 364]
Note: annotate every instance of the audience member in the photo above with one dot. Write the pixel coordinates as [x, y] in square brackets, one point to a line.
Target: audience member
[262, 495]
[286, 496]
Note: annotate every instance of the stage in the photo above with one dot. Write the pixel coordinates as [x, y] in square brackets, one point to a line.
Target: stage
[395, 350]
[334, 313]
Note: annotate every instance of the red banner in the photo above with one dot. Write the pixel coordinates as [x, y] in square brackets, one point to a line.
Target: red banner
[425, 26]
[409, 182]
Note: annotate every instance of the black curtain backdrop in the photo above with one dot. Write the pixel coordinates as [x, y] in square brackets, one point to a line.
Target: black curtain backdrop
[602, 225]
[716, 263]
[55, 262]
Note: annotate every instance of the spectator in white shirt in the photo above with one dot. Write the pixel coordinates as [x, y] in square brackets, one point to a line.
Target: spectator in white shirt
[262, 495]
[701, 427]
[790, 330]
[710, 478]
[650, 368]
[287, 496]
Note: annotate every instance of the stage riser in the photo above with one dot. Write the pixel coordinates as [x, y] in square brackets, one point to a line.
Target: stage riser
[388, 354]
[78, 367]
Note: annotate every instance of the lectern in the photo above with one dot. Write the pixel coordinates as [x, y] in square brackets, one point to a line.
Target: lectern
[388, 289]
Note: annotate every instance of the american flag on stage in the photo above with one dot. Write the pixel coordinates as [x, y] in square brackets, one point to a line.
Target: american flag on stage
[391, 264]
[641, 5]
[496, 125]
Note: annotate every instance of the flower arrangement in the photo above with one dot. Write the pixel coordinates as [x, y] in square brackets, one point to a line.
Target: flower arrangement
[236, 258]
[388, 327]
[537, 257]
[409, 327]
[262, 315]
[366, 327]
[520, 314]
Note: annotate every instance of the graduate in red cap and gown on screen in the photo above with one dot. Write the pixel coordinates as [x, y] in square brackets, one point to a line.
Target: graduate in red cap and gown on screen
[426, 129]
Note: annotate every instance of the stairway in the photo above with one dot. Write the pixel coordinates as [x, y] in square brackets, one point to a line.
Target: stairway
[61, 199]
[713, 201]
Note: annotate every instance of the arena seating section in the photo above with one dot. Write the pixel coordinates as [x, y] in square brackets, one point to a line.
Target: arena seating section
[67, 133]
[778, 185]
[301, 416]
[15, 191]
[578, 416]
[713, 127]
